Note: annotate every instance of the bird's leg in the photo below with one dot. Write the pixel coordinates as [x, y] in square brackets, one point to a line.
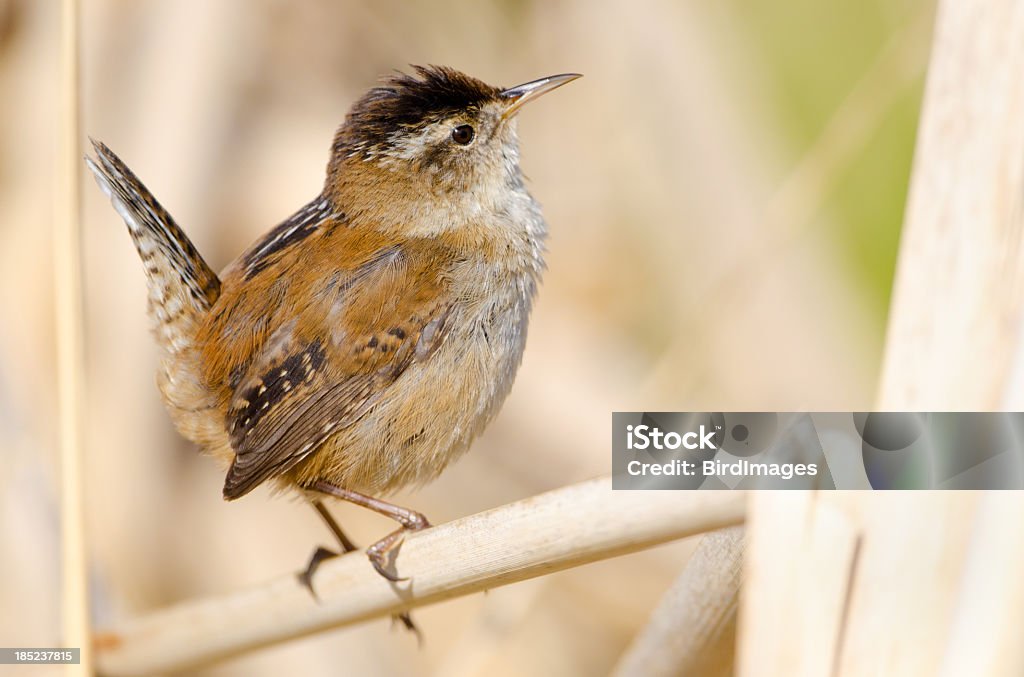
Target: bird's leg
[409, 519]
[322, 554]
[347, 546]
[343, 540]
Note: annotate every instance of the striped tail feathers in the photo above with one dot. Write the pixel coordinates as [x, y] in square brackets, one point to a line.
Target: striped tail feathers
[182, 287]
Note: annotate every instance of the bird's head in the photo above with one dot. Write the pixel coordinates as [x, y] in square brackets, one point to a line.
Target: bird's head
[438, 141]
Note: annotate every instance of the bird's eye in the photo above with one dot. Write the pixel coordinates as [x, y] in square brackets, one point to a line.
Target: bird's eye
[463, 135]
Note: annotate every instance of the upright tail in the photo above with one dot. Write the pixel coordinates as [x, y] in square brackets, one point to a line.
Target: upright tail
[182, 287]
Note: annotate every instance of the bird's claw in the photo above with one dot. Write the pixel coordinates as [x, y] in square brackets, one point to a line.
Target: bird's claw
[306, 577]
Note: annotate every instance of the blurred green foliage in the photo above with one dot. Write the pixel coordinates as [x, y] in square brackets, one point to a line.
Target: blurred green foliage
[814, 54]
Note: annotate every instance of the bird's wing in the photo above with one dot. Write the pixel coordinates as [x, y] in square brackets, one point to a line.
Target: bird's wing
[326, 367]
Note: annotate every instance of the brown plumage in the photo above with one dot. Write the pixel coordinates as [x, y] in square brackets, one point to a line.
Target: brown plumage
[360, 345]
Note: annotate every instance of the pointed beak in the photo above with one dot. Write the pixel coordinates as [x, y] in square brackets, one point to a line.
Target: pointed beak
[520, 94]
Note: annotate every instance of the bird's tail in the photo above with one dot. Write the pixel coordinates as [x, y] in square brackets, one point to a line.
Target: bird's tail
[182, 288]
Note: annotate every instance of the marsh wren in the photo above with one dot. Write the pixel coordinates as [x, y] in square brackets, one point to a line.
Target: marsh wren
[362, 344]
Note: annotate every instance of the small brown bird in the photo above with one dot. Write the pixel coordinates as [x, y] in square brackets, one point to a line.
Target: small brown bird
[362, 344]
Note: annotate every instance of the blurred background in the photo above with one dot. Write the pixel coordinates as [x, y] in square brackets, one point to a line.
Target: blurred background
[725, 188]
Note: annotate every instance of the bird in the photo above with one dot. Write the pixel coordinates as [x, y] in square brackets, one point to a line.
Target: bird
[361, 345]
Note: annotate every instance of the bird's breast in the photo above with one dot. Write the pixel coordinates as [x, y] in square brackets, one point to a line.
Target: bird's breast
[432, 412]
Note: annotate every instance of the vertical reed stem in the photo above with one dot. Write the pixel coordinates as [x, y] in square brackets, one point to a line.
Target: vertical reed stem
[70, 353]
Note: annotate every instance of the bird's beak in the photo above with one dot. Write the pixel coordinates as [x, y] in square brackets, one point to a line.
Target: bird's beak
[520, 94]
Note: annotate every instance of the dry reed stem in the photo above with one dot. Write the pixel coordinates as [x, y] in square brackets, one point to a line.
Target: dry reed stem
[922, 582]
[853, 583]
[992, 590]
[70, 347]
[693, 630]
[955, 330]
[536, 536]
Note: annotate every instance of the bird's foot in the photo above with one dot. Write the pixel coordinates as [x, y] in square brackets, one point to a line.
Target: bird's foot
[383, 552]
